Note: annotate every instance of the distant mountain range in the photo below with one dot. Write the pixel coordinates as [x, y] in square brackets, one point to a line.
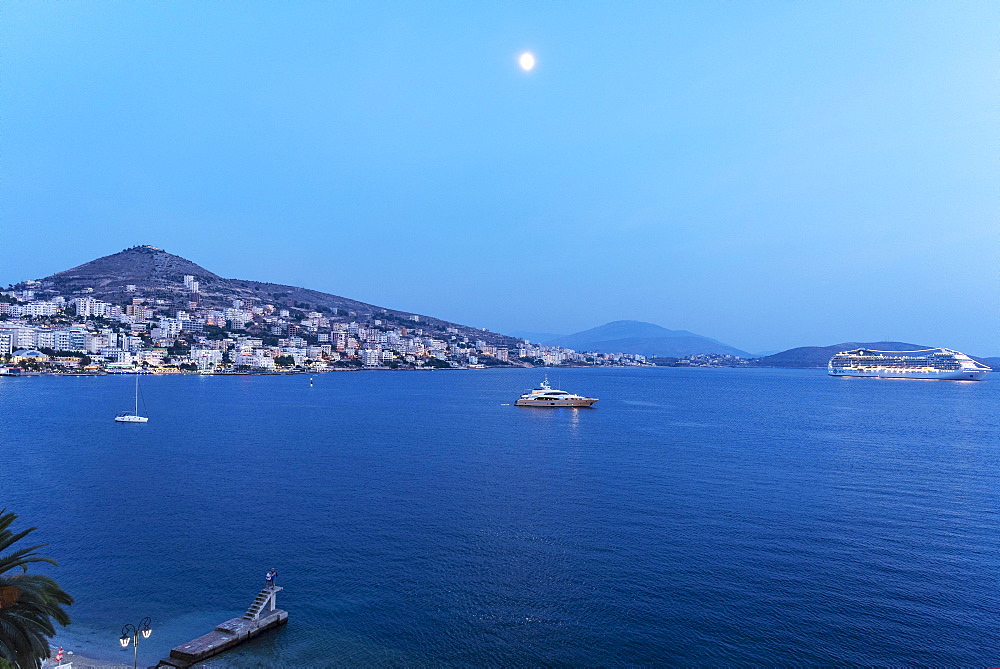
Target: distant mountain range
[642, 338]
[650, 339]
[150, 272]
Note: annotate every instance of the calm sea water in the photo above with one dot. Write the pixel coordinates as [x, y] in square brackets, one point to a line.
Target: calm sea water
[693, 517]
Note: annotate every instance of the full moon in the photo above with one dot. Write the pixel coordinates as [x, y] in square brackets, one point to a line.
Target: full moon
[527, 61]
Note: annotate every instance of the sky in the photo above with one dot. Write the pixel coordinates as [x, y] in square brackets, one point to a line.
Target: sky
[769, 174]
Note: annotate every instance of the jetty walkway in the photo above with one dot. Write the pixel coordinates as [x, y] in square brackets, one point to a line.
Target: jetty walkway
[262, 615]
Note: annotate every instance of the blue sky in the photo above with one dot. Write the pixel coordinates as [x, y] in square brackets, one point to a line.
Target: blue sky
[767, 174]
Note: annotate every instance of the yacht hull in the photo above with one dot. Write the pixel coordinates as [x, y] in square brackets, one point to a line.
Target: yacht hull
[555, 403]
[131, 419]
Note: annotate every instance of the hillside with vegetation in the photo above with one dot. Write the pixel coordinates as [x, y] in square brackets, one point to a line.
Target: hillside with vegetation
[156, 276]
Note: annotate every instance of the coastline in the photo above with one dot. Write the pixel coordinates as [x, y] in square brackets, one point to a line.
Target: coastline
[80, 661]
[51, 373]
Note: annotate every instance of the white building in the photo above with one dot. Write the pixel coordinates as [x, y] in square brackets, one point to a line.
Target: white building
[22, 336]
[73, 339]
[170, 327]
[45, 338]
[88, 307]
[116, 355]
[34, 309]
[206, 358]
[261, 361]
[150, 356]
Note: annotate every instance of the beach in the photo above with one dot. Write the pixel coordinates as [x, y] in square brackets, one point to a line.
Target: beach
[79, 662]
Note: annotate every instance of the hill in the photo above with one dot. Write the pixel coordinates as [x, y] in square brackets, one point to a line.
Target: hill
[155, 276]
[643, 338]
[819, 356]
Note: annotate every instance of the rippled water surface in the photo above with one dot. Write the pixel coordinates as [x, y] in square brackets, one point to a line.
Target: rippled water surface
[694, 516]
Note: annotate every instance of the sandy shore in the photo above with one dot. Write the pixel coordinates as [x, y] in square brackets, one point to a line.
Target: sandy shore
[84, 662]
[81, 662]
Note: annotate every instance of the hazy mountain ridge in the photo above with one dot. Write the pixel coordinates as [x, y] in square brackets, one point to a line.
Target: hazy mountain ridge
[158, 274]
[804, 357]
[643, 338]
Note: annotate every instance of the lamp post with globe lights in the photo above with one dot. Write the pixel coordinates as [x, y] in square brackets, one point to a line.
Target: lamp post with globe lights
[130, 634]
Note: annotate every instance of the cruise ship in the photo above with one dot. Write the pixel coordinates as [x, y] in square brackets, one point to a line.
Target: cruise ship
[547, 396]
[929, 363]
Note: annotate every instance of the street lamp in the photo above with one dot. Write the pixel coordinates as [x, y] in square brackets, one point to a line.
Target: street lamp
[130, 634]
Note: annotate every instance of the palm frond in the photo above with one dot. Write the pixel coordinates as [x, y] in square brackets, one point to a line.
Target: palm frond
[22, 558]
[27, 621]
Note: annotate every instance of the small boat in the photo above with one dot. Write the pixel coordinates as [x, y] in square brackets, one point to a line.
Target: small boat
[547, 396]
[134, 417]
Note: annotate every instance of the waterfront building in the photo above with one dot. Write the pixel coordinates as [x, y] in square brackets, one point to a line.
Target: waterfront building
[28, 355]
[261, 361]
[152, 356]
[206, 358]
[116, 355]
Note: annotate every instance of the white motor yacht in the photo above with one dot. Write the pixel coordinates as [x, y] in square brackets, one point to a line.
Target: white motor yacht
[547, 396]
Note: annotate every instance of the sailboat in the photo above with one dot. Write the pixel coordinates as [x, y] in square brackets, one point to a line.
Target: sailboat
[134, 417]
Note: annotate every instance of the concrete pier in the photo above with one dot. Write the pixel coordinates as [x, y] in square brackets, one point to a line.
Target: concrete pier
[261, 616]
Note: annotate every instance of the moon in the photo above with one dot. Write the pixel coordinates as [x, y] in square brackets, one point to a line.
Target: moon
[527, 61]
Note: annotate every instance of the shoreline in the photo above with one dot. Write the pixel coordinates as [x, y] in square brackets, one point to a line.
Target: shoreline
[319, 372]
[80, 661]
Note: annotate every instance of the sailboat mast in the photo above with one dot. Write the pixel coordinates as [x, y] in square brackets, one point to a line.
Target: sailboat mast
[136, 394]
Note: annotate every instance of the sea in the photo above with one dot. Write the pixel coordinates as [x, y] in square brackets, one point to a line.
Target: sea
[696, 517]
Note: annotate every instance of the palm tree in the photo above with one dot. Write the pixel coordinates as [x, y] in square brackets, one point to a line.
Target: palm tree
[28, 602]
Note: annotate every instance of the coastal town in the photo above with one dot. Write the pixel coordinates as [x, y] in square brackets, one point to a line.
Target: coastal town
[43, 331]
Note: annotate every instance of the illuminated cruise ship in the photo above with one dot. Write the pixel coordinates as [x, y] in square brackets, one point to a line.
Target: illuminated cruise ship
[929, 363]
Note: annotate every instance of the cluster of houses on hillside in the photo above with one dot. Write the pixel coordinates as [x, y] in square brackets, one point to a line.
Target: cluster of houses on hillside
[81, 332]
